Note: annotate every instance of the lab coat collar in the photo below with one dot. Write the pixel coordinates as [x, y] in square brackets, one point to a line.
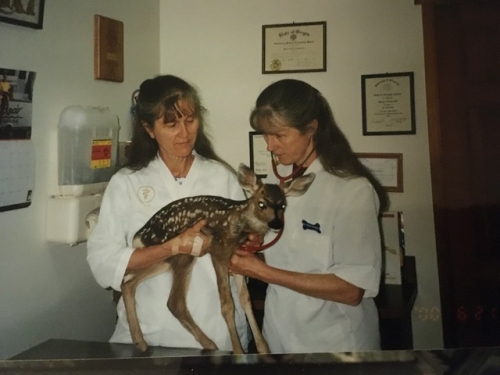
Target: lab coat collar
[314, 167]
[176, 190]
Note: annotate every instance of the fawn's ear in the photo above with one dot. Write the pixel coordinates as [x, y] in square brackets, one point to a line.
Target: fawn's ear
[247, 179]
[298, 186]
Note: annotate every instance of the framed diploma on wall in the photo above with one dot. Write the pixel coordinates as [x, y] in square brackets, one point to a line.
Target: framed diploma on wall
[294, 47]
[387, 169]
[260, 158]
[388, 102]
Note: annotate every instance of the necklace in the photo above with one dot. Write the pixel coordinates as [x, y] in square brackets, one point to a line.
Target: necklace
[184, 170]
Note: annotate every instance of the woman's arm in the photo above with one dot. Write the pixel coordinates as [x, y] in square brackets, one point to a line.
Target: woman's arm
[325, 286]
[182, 244]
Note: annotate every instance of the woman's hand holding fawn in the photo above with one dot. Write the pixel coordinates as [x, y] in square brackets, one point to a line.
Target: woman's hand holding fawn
[193, 241]
[246, 263]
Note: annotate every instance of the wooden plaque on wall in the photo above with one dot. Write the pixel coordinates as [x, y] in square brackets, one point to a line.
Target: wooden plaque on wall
[108, 49]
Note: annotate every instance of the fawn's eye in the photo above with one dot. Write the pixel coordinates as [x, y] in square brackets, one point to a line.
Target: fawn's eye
[262, 205]
[283, 206]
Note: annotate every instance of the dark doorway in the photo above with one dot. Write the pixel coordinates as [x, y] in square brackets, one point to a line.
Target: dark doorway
[462, 52]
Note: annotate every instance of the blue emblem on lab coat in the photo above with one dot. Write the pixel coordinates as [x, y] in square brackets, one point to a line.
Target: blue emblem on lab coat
[309, 226]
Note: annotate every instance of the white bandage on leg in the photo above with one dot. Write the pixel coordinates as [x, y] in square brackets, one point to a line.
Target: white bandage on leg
[197, 245]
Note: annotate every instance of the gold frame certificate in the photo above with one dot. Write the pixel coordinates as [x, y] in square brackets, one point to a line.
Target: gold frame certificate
[294, 47]
[388, 104]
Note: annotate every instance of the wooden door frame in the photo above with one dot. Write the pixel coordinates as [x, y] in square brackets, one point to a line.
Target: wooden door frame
[436, 164]
[440, 205]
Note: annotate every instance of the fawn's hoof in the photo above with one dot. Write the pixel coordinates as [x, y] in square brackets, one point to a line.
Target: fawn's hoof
[263, 349]
[142, 346]
[210, 346]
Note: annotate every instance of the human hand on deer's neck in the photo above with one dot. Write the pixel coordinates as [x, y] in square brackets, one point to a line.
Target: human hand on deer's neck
[247, 264]
[253, 240]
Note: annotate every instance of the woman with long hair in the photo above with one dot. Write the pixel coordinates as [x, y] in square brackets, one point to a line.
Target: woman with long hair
[170, 157]
[324, 272]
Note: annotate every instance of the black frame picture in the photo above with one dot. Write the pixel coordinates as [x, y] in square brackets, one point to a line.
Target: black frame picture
[28, 13]
[388, 103]
[294, 47]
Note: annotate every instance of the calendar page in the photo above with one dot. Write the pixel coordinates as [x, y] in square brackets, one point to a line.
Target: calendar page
[17, 174]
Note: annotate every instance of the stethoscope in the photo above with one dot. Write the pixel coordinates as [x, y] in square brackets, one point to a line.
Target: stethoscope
[283, 179]
[296, 168]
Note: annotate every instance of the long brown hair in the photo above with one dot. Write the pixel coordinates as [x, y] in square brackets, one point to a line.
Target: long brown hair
[297, 104]
[156, 97]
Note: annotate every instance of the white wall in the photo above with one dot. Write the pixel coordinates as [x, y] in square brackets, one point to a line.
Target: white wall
[217, 46]
[46, 289]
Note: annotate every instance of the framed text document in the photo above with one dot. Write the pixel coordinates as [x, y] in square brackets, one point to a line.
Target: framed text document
[260, 158]
[388, 104]
[387, 169]
[294, 47]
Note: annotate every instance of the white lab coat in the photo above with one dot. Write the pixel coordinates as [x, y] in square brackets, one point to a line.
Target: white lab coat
[348, 246]
[131, 198]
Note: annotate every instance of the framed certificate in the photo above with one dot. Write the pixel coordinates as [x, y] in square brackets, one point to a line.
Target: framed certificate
[260, 158]
[388, 104]
[294, 47]
[387, 169]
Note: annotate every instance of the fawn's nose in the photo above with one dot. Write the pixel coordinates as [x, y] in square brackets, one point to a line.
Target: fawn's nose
[275, 224]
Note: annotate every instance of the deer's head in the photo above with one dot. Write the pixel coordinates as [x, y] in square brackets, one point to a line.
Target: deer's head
[268, 201]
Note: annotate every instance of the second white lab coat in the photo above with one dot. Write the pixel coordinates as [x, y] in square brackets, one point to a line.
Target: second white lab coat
[332, 228]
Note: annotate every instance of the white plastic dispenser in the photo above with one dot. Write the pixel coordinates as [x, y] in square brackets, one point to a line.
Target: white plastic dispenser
[87, 149]
[87, 143]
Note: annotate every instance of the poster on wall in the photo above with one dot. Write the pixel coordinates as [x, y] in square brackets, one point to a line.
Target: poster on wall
[16, 99]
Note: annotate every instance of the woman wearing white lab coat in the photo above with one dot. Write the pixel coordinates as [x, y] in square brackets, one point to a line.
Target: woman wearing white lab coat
[170, 158]
[325, 270]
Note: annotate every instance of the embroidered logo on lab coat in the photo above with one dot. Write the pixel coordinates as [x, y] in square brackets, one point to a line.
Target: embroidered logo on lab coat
[309, 226]
[146, 194]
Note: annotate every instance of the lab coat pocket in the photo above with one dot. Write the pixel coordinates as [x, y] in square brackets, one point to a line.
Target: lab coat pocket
[312, 251]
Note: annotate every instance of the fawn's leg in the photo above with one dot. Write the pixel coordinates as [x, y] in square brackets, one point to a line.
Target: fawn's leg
[260, 342]
[128, 292]
[181, 273]
[226, 301]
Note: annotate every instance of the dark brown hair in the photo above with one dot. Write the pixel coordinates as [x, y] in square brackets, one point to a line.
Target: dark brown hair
[297, 104]
[156, 97]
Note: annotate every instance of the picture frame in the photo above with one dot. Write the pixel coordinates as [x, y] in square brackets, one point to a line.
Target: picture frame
[260, 158]
[388, 103]
[108, 49]
[386, 167]
[294, 47]
[27, 13]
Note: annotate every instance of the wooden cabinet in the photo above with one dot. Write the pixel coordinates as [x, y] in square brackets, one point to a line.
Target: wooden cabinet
[394, 303]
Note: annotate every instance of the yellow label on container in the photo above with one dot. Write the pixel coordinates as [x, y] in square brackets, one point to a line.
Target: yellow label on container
[100, 154]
